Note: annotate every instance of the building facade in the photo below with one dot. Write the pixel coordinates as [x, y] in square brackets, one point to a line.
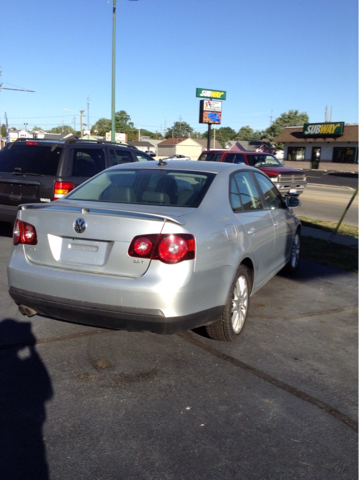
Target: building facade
[325, 146]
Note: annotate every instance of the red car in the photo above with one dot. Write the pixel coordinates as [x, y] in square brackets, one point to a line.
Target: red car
[288, 180]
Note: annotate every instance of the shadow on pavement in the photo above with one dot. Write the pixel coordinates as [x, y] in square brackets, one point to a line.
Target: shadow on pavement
[5, 229]
[308, 270]
[343, 175]
[25, 388]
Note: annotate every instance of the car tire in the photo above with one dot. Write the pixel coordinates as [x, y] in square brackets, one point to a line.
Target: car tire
[230, 325]
[293, 261]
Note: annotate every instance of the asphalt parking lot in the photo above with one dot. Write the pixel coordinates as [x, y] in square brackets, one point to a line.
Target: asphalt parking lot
[78, 402]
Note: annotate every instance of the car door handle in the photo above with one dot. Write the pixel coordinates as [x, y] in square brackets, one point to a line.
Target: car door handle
[251, 231]
[276, 224]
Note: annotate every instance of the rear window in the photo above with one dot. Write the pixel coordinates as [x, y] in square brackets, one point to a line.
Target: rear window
[35, 159]
[263, 161]
[146, 187]
[210, 157]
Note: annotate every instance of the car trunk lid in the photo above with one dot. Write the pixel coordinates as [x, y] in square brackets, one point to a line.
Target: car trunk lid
[94, 239]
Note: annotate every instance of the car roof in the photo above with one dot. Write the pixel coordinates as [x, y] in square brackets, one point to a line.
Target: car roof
[237, 151]
[73, 141]
[213, 167]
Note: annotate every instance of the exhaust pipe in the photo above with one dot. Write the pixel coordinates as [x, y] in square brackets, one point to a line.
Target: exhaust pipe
[24, 310]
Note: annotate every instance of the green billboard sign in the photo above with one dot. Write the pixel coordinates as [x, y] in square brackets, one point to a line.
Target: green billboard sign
[207, 93]
[323, 129]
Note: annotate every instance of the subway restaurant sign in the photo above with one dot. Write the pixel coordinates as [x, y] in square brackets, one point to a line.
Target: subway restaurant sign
[323, 129]
[206, 93]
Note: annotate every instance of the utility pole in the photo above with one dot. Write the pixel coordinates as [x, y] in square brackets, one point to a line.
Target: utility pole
[113, 122]
[88, 112]
[81, 123]
[270, 117]
[139, 132]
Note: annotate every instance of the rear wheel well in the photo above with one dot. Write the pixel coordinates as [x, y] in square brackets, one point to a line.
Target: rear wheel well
[249, 264]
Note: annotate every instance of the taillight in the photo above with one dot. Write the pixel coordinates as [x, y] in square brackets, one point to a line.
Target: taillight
[31, 143]
[167, 248]
[61, 189]
[24, 233]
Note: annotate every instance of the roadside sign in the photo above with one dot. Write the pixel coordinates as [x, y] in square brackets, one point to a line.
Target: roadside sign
[210, 112]
[207, 93]
[323, 129]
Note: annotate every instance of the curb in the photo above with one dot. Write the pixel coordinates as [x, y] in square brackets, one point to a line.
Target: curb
[324, 235]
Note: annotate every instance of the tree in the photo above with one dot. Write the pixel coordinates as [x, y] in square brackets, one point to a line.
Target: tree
[37, 128]
[102, 126]
[122, 125]
[179, 130]
[292, 118]
[223, 134]
[245, 133]
[122, 122]
[59, 129]
[147, 133]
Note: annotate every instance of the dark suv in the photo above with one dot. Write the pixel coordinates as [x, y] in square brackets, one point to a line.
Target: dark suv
[289, 181]
[33, 171]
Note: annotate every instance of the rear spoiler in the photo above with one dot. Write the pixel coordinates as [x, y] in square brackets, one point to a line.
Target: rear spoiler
[101, 211]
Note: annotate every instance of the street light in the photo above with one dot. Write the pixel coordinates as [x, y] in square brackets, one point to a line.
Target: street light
[81, 116]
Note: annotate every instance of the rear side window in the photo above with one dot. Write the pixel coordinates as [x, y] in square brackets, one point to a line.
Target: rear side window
[210, 157]
[142, 158]
[87, 162]
[248, 192]
[120, 156]
[234, 196]
[234, 158]
[271, 195]
[35, 159]
[146, 187]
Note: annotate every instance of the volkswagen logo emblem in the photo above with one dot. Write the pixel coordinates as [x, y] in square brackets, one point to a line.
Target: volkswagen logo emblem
[80, 225]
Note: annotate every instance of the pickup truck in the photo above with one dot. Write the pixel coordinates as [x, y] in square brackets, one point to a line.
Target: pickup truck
[289, 181]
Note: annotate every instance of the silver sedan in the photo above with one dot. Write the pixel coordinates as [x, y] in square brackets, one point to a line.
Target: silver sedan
[162, 247]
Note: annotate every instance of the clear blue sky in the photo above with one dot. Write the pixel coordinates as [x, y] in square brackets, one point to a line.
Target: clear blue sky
[269, 56]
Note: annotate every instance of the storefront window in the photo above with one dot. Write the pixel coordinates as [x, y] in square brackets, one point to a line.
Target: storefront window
[296, 153]
[345, 155]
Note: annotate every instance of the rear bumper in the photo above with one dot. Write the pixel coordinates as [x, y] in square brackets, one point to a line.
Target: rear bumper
[113, 317]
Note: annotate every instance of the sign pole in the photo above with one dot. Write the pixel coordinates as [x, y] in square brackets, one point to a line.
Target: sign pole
[209, 137]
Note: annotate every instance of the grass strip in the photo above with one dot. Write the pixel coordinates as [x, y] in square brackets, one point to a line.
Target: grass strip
[329, 226]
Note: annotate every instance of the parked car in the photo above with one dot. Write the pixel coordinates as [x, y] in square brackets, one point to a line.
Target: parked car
[151, 153]
[289, 181]
[154, 246]
[177, 157]
[42, 170]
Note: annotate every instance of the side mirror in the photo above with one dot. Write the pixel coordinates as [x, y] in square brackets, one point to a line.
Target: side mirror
[292, 202]
[282, 162]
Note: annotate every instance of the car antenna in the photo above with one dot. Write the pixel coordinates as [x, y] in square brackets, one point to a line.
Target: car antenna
[161, 163]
